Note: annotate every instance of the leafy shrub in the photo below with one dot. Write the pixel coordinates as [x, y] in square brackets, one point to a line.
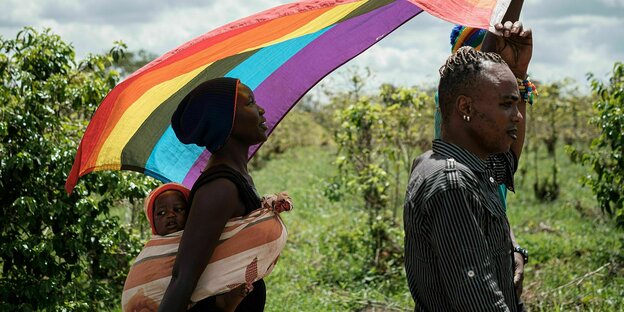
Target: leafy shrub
[606, 153]
[57, 251]
[297, 129]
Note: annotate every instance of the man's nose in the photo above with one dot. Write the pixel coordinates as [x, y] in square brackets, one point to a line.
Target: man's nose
[517, 115]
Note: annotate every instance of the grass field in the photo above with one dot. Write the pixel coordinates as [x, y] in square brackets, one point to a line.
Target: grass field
[576, 253]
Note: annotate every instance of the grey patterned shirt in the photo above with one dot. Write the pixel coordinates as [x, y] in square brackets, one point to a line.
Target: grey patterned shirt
[458, 251]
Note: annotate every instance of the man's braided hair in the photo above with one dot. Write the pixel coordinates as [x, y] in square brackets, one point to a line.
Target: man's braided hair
[461, 74]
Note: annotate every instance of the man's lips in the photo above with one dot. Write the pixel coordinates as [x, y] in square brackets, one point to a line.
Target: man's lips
[513, 133]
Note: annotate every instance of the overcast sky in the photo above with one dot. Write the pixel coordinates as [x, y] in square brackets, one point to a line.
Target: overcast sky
[572, 37]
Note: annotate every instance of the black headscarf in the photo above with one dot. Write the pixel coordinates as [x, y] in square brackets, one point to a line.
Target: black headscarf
[206, 115]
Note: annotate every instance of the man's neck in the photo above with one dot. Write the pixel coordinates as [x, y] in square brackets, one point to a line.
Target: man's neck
[465, 143]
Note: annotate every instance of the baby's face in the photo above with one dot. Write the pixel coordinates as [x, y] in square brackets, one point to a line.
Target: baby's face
[170, 212]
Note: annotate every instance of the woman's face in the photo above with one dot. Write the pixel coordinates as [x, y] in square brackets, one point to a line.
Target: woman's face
[169, 212]
[249, 124]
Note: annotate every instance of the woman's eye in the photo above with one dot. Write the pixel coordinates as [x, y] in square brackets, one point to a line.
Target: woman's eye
[160, 213]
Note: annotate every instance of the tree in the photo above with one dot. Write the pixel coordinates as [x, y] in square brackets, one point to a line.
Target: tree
[606, 153]
[377, 138]
[57, 251]
[133, 60]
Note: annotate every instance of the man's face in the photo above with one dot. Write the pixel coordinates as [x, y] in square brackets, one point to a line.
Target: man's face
[495, 114]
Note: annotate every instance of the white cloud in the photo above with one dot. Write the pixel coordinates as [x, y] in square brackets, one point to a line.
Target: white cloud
[613, 3]
[571, 38]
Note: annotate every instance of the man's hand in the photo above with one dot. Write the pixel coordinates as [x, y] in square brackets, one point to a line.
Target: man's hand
[518, 273]
[515, 46]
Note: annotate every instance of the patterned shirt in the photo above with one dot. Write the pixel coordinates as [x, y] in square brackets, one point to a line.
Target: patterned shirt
[458, 251]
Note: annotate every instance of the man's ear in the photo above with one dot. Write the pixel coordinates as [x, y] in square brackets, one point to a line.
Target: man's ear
[464, 105]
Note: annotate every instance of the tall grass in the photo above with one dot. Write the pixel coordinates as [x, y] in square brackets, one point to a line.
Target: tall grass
[576, 253]
[307, 276]
[577, 262]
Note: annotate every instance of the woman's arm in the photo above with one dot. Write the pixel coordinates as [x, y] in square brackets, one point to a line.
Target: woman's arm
[213, 205]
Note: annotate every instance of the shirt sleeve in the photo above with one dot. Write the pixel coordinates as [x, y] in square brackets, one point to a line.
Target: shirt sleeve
[458, 240]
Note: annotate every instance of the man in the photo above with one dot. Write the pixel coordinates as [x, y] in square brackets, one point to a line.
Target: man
[459, 251]
[502, 171]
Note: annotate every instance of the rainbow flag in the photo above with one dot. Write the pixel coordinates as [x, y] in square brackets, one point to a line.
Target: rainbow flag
[482, 14]
[280, 54]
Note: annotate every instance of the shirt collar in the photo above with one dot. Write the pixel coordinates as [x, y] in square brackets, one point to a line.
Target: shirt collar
[460, 155]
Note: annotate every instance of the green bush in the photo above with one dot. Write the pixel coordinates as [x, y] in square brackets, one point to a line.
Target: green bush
[297, 129]
[606, 153]
[57, 251]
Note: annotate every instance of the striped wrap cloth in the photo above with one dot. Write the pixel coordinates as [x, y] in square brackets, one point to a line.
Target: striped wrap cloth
[248, 250]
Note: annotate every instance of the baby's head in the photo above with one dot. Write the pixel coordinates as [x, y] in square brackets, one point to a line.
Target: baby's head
[166, 208]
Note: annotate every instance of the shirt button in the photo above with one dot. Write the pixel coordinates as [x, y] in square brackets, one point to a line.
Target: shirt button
[491, 179]
[471, 273]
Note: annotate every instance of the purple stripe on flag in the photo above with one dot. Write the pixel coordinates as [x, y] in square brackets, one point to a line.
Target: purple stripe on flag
[329, 51]
[332, 49]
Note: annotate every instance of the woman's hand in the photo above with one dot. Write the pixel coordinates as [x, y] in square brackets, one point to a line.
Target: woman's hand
[279, 202]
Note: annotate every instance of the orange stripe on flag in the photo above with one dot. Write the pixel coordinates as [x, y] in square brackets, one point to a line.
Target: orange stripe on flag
[249, 39]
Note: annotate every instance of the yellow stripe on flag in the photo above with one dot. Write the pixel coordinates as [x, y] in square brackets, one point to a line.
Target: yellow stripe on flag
[137, 113]
[326, 19]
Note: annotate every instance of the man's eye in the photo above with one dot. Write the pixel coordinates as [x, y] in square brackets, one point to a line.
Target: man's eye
[160, 213]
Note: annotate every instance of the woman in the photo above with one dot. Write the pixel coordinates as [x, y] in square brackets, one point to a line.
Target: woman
[223, 116]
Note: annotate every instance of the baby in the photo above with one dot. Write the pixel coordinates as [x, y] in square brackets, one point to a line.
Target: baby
[166, 208]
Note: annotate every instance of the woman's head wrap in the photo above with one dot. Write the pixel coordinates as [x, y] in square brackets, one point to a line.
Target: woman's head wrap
[150, 200]
[206, 115]
[466, 36]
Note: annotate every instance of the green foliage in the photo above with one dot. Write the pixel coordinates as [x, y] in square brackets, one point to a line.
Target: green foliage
[130, 61]
[606, 153]
[58, 251]
[324, 266]
[577, 262]
[298, 129]
[377, 137]
[557, 114]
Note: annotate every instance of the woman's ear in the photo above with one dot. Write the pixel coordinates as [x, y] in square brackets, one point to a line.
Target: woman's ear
[464, 105]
